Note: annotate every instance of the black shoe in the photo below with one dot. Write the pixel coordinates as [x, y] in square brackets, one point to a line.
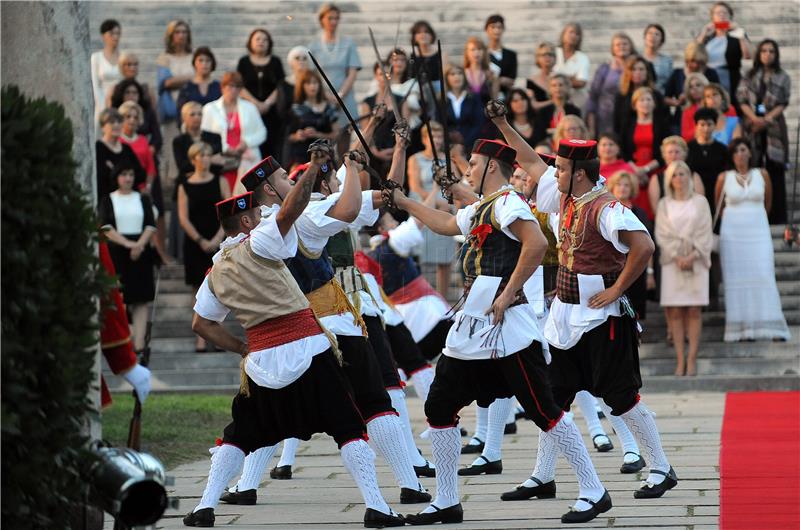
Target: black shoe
[544, 490]
[409, 496]
[453, 514]
[471, 449]
[632, 467]
[376, 519]
[605, 445]
[600, 414]
[281, 472]
[520, 414]
[601, 506]
[510, 428]
[245, 498]
[463, 431]
[657, 490]
[425, 471]
[203, 518]
[490, 468]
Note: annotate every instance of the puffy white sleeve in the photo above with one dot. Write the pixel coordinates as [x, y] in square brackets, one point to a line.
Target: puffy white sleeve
[464, 218]
[615, 218]
[314, 227]
[405, 237]
[547, 194]
[266, 240]
[368, 215]
[207, 306]
[508, 209]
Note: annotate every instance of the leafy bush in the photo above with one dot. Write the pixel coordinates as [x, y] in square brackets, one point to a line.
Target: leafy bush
[50, 283]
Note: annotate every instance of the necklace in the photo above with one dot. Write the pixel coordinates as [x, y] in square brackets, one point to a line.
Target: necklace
[522, 126]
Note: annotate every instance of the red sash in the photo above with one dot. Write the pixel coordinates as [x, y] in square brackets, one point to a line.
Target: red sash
[415, 290]
[282, 330]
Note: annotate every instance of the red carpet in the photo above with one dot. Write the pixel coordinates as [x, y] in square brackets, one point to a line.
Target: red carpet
[760, 461]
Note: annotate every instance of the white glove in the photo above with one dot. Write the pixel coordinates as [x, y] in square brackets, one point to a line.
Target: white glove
[139, 378]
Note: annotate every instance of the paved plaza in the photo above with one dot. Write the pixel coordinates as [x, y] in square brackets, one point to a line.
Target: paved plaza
[322, 495]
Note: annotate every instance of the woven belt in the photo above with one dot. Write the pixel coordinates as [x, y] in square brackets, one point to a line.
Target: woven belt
[350, 279]
[567, 288]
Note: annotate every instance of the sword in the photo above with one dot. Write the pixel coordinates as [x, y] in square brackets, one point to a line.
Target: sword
[425, 119]
[387, 76]
[361, 139]
[443, 116]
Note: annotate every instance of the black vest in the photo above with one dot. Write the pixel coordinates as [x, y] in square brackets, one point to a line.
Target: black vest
[310, 272]
[498, 254]
[396, 270]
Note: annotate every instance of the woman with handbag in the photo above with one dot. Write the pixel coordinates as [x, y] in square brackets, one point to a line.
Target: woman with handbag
[752, 302]
[684, 238]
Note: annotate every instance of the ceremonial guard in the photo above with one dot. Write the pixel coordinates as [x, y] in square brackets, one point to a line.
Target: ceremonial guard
[293, 384]
[494, 349]
[591, 329]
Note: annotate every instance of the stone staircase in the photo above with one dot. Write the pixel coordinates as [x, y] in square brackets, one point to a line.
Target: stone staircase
[224, 27]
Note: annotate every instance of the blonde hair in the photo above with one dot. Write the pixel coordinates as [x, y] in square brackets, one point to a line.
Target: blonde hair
[125, 57]
[641, 91]
[669, 173]
[692, 77]
[697, 51]
[544, 46]
[326, 8]
[570, 119]
[171, 27]
[674, 140]
[623, 35]
[198, 148]
[614, 179]
[132, 105]
[480, 44]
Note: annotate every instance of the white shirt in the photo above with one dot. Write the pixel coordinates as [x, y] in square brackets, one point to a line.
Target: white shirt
[278, 366]
[457, 102]
[577, 65]
[367, 216]
[128, 213]
[567, 323]
[467, 338]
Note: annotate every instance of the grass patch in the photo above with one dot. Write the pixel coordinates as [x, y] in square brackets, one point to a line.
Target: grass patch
[176, 428]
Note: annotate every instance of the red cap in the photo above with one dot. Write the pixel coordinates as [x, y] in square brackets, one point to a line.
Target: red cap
[577, 149]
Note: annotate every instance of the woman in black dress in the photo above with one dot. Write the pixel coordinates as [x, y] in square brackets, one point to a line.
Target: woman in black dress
[197, 197]
[111, 153]
[311, 118]
[262, 72]
[129, 224]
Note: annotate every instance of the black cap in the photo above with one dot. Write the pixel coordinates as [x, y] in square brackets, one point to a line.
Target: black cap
[495, 149]
[259, 173]
[575, 149]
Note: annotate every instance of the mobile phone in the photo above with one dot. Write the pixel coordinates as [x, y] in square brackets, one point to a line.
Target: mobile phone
[725, 24]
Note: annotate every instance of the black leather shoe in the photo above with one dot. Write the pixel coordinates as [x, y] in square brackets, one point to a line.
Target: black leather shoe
[453, 514]
[604, 445]
[544, 490]
[463, 431]
[490, 468]
[632, 467]
[201, 518]
[425, 471]
[376, 519]
[281, 473]
[520, 414]
[510, 428]
[409, 496]
[657, 490]
[601, 506]
[471, 449]
[245, 498]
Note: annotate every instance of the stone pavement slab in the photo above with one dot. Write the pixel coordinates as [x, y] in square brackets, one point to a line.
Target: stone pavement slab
[322, 495]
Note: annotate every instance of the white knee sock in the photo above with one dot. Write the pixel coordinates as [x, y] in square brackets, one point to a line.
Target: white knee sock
[254, 465]
[586, 402]
[446, 448]
[624, 434]
[641, 423]
[546, 455]
[498, 413]
[359, 460]
[288, 452]
[481, 424]
[422, 379]
[399, 404]
[512, 413]
[569, 441]
[386, 432]
[226, 462]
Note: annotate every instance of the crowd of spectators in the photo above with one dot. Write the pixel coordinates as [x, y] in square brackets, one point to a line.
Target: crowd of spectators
[697, 146]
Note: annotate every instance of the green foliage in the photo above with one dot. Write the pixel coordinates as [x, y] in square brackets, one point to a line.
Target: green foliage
[50, 284]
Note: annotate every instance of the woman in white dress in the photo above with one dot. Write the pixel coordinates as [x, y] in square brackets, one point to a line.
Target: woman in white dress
[752, 302]
[683, 234]
[104, 65]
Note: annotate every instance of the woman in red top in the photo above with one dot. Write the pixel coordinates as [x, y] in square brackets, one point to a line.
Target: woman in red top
[693, 89]
[608, 149]
[641, 141]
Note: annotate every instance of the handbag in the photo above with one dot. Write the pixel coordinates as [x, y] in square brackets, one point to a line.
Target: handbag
[717, 212]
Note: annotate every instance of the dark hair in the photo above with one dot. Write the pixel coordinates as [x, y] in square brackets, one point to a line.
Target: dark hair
[736, 142]
[265, 32]
[529, 114]
[494, 19]
[118, 95]
[758, 65]
[205, 50]
[398, 51]
[259, 193]
[323, 177]
[705, 114]
[591, 167]
[120, 168]
[422, 25]
[231, 224]
[660, 28]
[299, 91]
[611, 135]
[108, 115]
[726, 5]
[108, 25]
